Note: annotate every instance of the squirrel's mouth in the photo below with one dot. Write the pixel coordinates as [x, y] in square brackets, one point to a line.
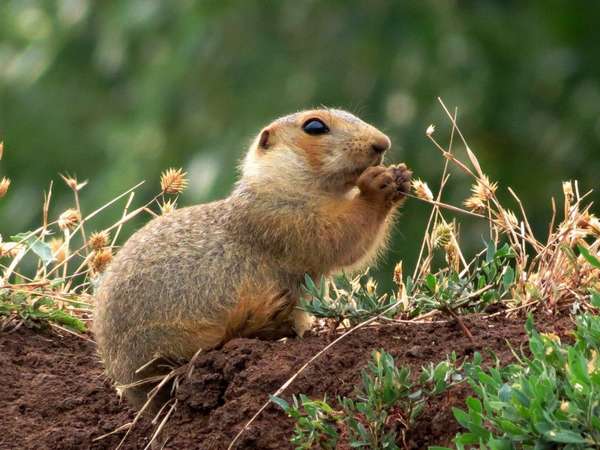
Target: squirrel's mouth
[350, 176]
[378, 160]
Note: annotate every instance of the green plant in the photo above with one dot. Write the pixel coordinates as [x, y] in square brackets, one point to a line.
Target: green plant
[39, 303]
[488, 281]
[550, 399]
[379, 415]
[353, 300]
[36, 312]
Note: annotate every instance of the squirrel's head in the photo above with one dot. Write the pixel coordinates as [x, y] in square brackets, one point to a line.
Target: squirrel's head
[321, 148]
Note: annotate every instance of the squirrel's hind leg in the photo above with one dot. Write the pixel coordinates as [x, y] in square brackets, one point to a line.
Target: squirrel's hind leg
[264, 312]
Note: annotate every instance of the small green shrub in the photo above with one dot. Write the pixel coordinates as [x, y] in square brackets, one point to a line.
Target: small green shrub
[36, 312]
[31, 303]
[353, 300]
[488, 282]
[548, 400]
[383, 410]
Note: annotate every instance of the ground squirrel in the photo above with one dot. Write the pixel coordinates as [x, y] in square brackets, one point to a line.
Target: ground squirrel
[313, 199]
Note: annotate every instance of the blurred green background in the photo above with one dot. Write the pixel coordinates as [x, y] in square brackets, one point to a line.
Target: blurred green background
[116, 91]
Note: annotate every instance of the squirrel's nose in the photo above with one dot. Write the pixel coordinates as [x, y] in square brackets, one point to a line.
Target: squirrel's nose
[381, 144]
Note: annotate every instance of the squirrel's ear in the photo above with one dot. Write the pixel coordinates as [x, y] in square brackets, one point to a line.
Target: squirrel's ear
[264, 139]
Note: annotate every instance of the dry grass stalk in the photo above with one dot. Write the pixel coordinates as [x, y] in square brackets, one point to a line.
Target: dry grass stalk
[549, 273]
[69, 219]
[54, 277]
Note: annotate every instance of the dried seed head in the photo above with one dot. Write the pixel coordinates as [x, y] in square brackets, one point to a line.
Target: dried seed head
[590, 223]
[168, 206]
[371, 286]
[510, 219]
[452, 255]
[377, 356]
[430, 130]
[73, 183]
[552, 337]
[568, 191]
[173, 181]
[98, 240]
[4, 185]
[59, 252]
[442, 234]
[475, 204]
[398, 276]
[421, 189]
[573, 231]
[594, 225]
[481, 192]
[507, 219]
[484, 189]
[69, 219]
[100, 259]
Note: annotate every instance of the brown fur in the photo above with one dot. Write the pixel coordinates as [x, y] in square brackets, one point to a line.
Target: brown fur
[197, 277]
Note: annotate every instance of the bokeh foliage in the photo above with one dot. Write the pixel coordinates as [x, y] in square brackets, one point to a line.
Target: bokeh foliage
[116, 91]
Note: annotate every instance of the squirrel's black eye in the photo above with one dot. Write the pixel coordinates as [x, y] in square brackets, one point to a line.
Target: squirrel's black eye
[315, 126]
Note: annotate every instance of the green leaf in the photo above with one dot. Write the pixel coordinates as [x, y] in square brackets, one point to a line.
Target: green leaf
[500, 444]
[564, 437]
[42, 301]
[578, 366]
[39, 247]
[416, 412]
[461, 417]
[474, 404]
[505, 393]
[431, 282]
[588, 256]
[43, 250]
[22, 237]
[490, 251]
[508, 278]
[521, 397]
[309, 284]
[509, 427]
[280, 402]
[67, 320]
[466, 438]
[595, 298]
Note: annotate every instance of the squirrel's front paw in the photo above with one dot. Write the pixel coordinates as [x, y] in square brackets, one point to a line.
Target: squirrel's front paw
[385, 184]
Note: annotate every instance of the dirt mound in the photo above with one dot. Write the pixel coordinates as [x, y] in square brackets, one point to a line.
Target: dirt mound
[53, 394]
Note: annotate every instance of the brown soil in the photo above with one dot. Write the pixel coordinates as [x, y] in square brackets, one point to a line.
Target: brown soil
[53, 394]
